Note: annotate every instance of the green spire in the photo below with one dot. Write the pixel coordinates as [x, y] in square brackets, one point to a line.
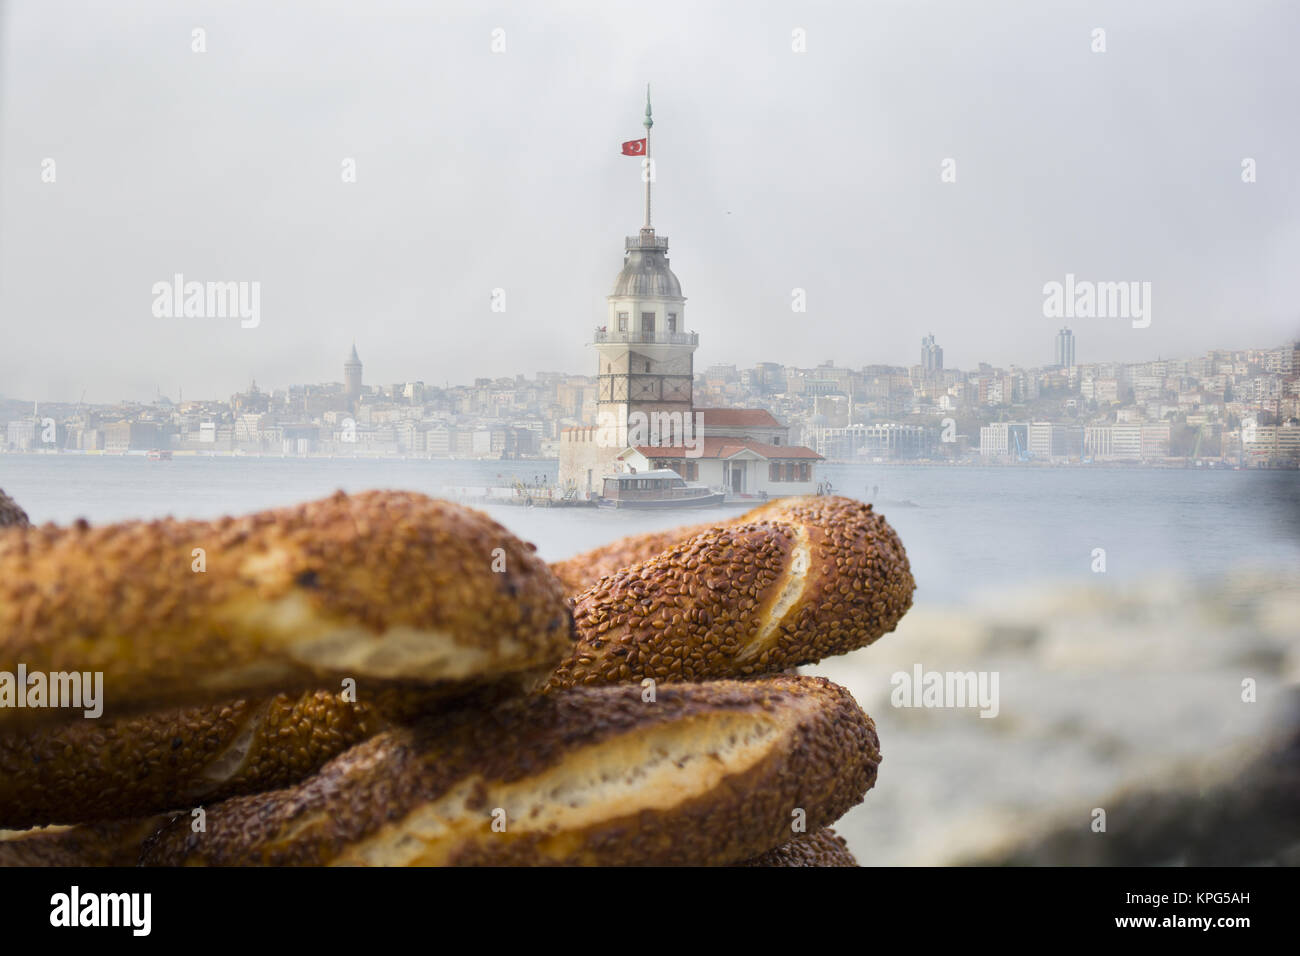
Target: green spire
[648, 121]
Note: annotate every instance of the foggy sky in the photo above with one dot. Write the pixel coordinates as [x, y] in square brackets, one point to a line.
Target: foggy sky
[775, 170]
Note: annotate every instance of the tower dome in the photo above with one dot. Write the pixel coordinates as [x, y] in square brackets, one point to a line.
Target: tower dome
[645, 269]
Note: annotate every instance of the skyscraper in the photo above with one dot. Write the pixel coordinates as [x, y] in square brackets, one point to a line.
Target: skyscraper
[1064, 349]
[931, 355]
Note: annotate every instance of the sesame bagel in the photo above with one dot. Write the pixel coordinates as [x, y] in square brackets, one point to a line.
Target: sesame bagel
[105, 844]
[583, 570]
[380, 586]
[700, 774]
[813, 577]
[823, 848]
[11, 516]
[87, 771]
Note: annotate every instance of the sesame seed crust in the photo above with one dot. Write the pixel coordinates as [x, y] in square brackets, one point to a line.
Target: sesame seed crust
[11, 516]
[705, 774]
[823, 848]
[384, 585]
[89, 771]
[809, 578]
[583, 570]
[105, 844]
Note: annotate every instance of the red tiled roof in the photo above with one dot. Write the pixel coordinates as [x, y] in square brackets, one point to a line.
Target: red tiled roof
[738, 417]
[714, 447]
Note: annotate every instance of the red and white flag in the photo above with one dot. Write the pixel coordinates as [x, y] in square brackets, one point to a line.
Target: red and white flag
[635, 147]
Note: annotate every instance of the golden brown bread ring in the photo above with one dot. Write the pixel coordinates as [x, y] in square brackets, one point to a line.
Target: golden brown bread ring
[10, 514]
[734, 602]
[380, 586]
[823, 848]
[104, 844]
[703, 774]
[88, 771]
[583, 570]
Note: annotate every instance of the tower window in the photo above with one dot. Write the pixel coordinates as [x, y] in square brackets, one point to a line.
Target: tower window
[622, 321]
[648, 322]
[672, 321]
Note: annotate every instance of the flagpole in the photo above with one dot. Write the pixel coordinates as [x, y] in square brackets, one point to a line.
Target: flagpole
[649, 167]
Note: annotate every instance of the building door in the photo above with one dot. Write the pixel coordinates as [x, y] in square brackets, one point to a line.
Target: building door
[737, 479]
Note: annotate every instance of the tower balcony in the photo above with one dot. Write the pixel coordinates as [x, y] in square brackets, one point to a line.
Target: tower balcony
[605, 337]
[646, 240]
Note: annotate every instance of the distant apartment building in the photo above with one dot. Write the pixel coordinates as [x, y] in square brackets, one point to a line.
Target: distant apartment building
[440, 440]
[121, 437]
[765, 377]
[1127, 442]
[21, 435]
[1104, 391]
[1004, 440]
[880, 440]
[1283, 361]
[1048, 440]
[1155, 440]
[721, 374]
[248, 427]
[1271, 444]
[831, 410]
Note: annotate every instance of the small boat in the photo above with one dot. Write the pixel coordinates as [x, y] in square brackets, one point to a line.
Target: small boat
[160, 454]
[663, 488]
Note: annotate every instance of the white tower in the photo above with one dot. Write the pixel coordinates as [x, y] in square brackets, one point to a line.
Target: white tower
[645, 355]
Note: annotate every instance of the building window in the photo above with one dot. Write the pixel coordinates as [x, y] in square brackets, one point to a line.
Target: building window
[672, 321]
[803, 472]
[774, 472]
[622, 321]
[648, 322]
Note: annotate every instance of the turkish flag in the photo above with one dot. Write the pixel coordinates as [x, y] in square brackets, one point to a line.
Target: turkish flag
[634, 147]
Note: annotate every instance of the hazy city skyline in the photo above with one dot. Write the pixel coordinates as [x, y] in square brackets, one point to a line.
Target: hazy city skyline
[468, 378]
[776, 170]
